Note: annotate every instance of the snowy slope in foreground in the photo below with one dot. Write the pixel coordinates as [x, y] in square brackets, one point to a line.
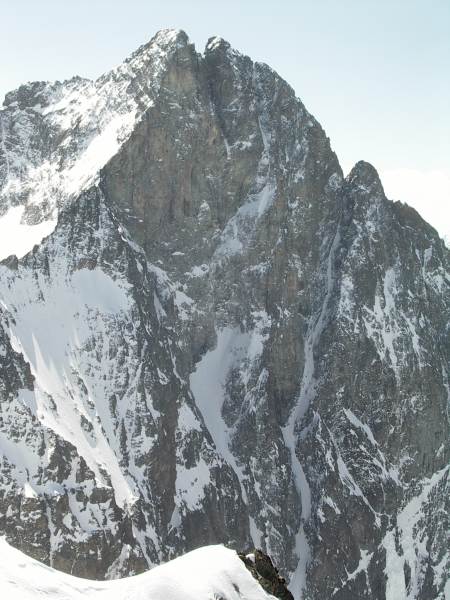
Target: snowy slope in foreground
[206, 573]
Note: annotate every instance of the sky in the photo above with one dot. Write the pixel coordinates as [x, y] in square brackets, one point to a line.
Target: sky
[375, 73]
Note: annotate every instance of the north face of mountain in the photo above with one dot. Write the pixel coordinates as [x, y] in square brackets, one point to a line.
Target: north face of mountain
[222, 339]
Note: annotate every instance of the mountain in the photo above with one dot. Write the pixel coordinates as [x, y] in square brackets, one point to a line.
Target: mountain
[209, 335]
[211, 572]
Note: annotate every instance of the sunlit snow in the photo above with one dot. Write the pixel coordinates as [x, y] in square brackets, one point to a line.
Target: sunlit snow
[206, 573]
[19, 238]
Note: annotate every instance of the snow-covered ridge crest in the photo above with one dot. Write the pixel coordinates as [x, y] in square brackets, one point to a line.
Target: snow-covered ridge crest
[208, 572]
[56, 137]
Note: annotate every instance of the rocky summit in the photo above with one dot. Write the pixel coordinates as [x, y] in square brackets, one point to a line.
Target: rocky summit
[209, 335]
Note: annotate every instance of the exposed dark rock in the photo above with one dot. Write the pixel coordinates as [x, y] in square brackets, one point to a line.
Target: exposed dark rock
[261, 567]
[222, 339]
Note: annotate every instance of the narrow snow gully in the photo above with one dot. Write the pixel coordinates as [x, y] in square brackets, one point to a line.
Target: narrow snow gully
[291, 431]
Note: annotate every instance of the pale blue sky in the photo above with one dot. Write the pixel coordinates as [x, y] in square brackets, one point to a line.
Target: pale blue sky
[375, 73]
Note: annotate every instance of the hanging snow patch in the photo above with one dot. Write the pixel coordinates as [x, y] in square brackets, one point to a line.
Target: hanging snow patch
[19, 238]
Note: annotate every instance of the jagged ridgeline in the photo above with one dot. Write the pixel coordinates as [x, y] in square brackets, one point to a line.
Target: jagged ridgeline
[221, 338]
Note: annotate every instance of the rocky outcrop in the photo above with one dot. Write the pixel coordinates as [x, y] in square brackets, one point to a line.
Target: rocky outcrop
[263, 570]
[222, 339]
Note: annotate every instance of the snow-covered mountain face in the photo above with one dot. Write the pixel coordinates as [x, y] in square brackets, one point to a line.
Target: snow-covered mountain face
[221, 339]
[55, 137]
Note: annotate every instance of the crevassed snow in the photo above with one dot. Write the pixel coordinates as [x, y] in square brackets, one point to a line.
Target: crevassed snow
[204, 574]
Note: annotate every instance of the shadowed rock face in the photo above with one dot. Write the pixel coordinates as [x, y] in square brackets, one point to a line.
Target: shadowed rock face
[263, 570]
[223, 340]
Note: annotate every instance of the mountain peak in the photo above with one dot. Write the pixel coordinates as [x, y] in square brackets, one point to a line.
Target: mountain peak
[208, 338]
[168, 37]
[365, 177]
[165, 39]
[217, 43]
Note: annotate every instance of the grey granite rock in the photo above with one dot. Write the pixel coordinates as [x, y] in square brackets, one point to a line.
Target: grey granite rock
[222, 340]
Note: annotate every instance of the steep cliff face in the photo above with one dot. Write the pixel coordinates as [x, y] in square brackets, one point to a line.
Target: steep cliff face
[221, 340]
